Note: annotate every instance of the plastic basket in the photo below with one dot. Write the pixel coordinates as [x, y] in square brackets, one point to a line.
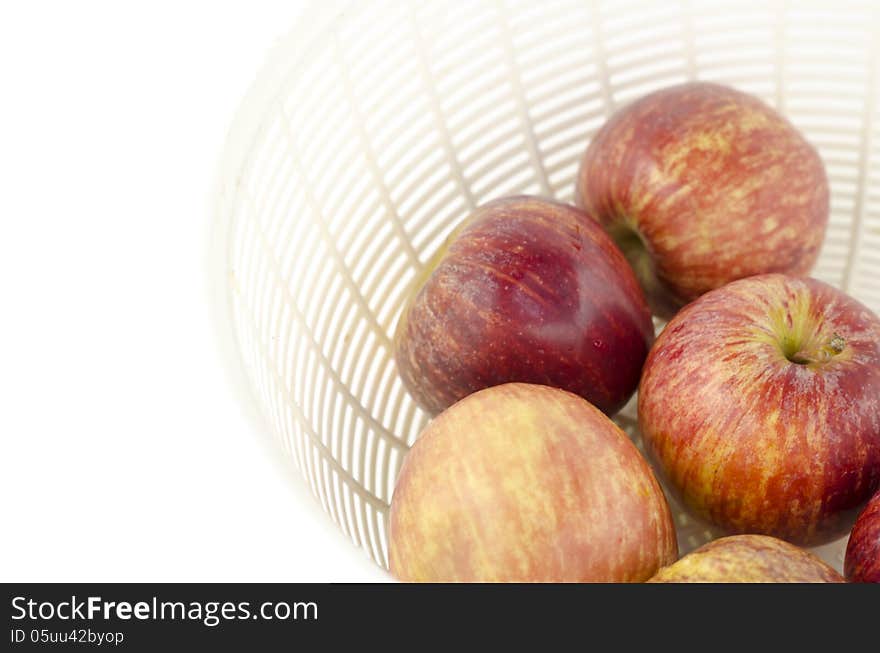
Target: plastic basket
[374, 128]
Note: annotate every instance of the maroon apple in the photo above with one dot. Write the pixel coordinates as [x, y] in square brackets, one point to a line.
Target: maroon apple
[700, 184]
[526, 483]
[760, 401]
[528, 290]
[862, 563]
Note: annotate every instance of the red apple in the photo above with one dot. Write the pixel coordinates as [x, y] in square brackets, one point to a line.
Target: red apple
[748, 559]
[527, 483]
[526, 290]
[760, 401]
[700, 184]
[863, 549]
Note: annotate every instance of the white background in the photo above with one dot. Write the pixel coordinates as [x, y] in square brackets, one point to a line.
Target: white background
[125, 455]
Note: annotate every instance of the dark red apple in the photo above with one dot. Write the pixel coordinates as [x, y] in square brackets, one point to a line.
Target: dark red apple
[863, 549]
[760, 401]
[526, 290]
[748, 559]
[700, 184]
[526, 483]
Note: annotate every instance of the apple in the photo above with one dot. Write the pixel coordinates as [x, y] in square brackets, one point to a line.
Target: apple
[699, 185]
[748, 559]
[527, 483]
[528, 290]
[862, 563]
[760, 402]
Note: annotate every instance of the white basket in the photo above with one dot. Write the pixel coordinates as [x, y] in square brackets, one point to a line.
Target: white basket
[374, 128]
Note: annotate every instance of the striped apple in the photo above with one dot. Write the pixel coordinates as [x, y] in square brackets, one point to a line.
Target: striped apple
[700, 184]
[760, 402]
[526, 290]
[748, 559]
[527, 483]
[862, 564]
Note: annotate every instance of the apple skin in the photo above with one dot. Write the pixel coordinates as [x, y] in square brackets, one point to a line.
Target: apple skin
[527, 483]
[752, 440]
[748, 559]
[527, 290]
[862, 563]
[701, 184]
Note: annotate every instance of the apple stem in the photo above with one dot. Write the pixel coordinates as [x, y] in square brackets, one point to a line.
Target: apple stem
[821, 354]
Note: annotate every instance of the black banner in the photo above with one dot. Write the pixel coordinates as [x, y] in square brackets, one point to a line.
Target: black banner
[264, 617]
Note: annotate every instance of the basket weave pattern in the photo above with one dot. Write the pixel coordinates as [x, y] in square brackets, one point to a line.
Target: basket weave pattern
[374, 128]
